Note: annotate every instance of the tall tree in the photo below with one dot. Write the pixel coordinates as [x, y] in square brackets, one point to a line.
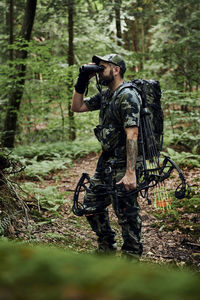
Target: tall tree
[117, 6]
[16, 93]
[176, 42]
[11, 27]
[72, 129]
[138, 18]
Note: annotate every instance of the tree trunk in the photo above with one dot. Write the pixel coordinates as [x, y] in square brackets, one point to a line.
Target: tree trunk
[11, 27]
[134, 30]
[16, 93]
[149, 38]
[72, 128]
[117, 7]
[135, 42]
[71, 33]
[126, 38]
[143, 44]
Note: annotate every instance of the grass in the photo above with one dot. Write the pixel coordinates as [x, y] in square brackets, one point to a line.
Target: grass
[35, 272]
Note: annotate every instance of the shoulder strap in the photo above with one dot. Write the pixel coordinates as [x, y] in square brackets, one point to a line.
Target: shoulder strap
[113, 107]
[126, 85]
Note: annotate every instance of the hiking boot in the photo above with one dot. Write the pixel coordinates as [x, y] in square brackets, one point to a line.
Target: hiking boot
[130, 253]
[110, 249]
[130, 256]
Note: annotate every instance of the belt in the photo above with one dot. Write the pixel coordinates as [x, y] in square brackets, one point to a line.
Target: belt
[109, 166]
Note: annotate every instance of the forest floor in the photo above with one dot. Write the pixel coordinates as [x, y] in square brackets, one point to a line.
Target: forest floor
[165, 239]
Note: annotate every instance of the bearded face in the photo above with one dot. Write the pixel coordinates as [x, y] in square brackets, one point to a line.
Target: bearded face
[106, 79]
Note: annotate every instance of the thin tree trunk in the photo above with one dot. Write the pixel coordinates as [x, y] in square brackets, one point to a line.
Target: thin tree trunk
[149, 38]
[135, 42]
[118, 21]
[143, 44]
[16, 93]
[72, 128]
[71, 33]
[11, 25]
[134, 30]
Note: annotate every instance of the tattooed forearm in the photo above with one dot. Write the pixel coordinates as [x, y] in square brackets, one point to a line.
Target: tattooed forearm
[132, 152]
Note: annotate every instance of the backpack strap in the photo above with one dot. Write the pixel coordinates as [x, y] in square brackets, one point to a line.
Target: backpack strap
[125, 85]
[113, 107]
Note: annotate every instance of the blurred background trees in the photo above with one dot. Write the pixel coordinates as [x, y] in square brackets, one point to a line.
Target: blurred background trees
[43, 44]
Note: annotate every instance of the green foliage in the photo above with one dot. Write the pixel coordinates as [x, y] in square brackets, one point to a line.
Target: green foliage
[73, 149]
[48, 273]
[47, 198]
[39, 170]
[182, 125]
[175, 42]
[183, 215]
[41, 160]
[172, 30]
[46, 93]
[184, 158]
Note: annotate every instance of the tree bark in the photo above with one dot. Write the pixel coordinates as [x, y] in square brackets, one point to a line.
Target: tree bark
[143, 44]
[16, 93]
[11, 25]
[134, 30]
[71, 33]
[149, 38]
[72, 128]
[117, 7]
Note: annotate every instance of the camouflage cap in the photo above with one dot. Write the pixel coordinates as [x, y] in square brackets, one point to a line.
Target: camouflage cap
[111, 58]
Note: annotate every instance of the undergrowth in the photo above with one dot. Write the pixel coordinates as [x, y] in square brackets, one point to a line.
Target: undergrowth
[184, 215]
[44, 159]
[183, 158]
[48, 198]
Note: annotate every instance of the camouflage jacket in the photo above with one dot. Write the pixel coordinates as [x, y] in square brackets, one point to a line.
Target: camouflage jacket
[112, 122]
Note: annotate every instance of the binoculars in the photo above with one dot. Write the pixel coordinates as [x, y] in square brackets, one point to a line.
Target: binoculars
[91, 69]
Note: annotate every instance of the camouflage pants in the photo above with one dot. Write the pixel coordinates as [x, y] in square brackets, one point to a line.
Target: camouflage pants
[126, 208]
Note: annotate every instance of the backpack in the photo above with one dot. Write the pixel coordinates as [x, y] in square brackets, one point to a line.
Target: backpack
[150, 137]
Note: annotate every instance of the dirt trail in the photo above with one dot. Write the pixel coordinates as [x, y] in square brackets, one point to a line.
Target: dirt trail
[74, 233]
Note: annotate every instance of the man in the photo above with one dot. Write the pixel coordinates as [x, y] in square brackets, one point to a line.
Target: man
[118, 133]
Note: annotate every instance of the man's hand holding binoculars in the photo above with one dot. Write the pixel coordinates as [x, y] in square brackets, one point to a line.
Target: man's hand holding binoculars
[85, 73]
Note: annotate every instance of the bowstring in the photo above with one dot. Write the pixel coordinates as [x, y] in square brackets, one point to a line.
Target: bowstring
[161, 196]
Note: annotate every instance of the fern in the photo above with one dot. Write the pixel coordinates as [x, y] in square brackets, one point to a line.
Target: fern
[44, 168]
[42, 160]
[184, 158]
[45, 198]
